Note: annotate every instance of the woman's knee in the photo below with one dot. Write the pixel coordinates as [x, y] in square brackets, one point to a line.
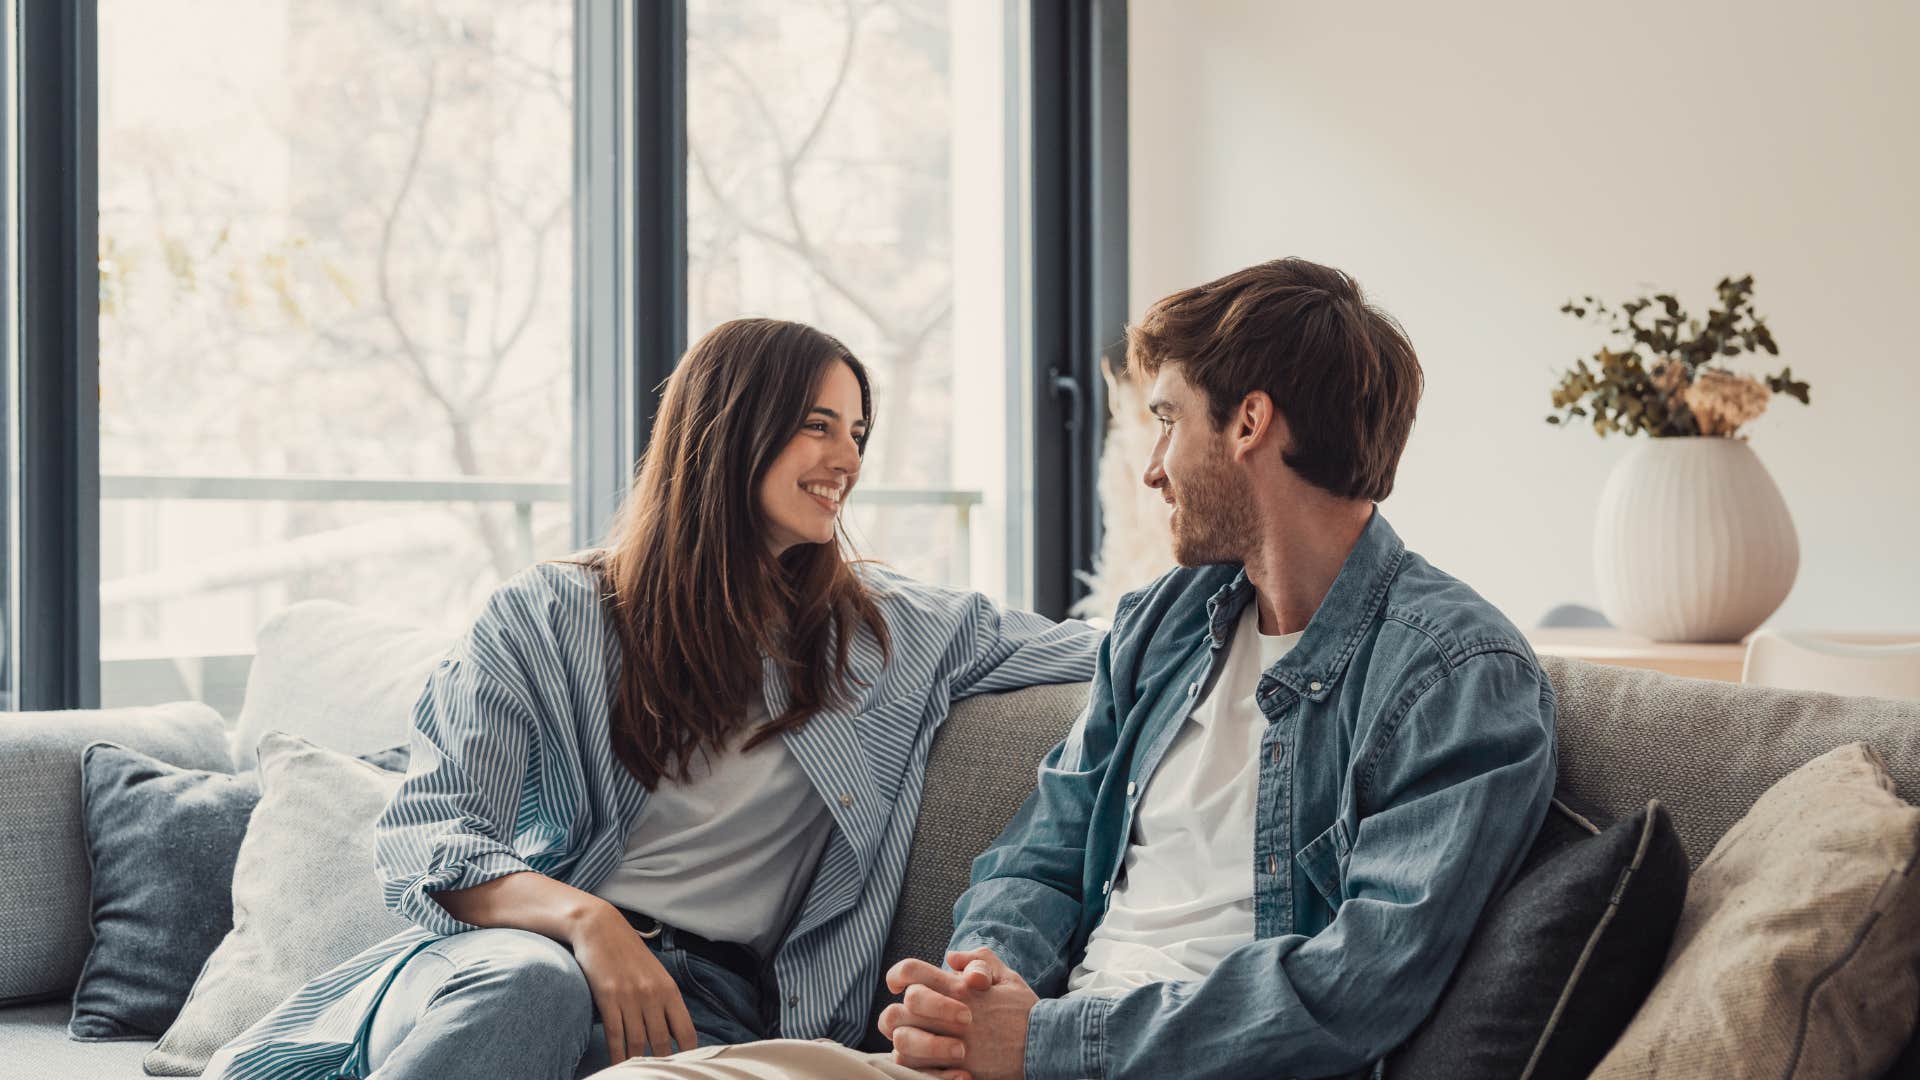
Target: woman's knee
[528, 970]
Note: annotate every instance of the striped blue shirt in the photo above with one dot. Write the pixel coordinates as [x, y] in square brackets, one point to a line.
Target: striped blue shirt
[513, 769]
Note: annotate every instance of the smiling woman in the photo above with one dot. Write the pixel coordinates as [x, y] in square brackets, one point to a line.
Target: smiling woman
[666, 768]
[821, 463]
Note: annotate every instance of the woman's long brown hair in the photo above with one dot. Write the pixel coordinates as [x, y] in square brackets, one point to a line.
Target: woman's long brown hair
[695, 594]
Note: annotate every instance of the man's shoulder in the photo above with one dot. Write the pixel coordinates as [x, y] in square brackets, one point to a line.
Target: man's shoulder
[1446, 618]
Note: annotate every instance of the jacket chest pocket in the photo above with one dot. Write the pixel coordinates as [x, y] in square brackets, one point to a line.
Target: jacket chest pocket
[1324, 861]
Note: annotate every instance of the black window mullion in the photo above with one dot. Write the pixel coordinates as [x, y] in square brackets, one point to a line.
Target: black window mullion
[58, 411]
[1079, 216]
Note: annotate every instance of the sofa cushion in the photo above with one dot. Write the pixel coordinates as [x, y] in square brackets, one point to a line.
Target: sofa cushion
[34, 1044]
[43, 853]
[1796, 952]
[1561, 961]
[305, 896]
[161, 842]
[338, 676]
[1708, 749]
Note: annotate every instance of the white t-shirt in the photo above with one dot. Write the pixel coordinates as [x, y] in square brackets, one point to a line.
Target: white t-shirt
[728, 854]
[1185, 899]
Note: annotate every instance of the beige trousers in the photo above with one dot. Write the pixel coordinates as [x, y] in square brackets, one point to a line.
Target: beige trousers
[772, 1059]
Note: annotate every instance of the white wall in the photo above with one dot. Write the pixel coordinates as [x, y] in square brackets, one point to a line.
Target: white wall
[1474, 165]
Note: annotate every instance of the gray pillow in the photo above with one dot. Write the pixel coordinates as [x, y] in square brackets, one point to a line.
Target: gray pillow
[305, 896]
[161, 841]
[43, 850]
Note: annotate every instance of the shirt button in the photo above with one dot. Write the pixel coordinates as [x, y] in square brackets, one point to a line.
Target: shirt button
[1193, 688]
[1276, 753]
[1314, 686]
[1273, 864]
[1106, 887]
[846, 801]
[793, 1001]
[1132, 787]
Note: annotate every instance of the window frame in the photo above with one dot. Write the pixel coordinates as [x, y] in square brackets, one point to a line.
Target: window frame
[629, 306]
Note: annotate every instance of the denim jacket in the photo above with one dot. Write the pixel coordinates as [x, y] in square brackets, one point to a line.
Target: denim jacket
[1407, 764]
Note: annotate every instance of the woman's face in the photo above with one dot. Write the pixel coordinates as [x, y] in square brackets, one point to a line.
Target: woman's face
[806, 485]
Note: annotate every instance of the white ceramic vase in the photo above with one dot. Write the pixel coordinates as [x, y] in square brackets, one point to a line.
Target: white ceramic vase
[1694, 542]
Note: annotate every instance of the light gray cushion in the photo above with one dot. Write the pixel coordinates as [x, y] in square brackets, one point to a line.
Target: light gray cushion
[1707, 749]
[337, 676]
[305, 896]
[44, 878]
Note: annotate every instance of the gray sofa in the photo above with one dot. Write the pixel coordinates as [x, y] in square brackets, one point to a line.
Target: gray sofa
[1706, 749]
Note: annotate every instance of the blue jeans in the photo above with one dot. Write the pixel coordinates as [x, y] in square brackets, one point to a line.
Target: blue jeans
[514, 1003]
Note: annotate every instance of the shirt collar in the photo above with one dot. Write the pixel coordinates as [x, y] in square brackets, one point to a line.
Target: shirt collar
[1315, 664]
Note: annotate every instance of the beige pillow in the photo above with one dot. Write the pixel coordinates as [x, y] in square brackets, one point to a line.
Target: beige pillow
[306, 896]
[1795, 955]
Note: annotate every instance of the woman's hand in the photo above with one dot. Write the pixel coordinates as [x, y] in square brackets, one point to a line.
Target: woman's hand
[640, 1006]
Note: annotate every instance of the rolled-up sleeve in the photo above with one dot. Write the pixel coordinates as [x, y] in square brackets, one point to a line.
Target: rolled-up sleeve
[463, 815]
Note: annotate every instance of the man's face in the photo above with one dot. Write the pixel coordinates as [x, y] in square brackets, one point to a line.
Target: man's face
[1212, 518]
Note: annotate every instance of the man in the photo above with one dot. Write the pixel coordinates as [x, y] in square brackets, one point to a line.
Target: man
[1309, 758]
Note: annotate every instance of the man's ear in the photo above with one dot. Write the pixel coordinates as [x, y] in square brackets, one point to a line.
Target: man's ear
[1252, 425]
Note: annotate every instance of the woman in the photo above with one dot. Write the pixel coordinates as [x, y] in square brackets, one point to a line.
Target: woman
[671, 783]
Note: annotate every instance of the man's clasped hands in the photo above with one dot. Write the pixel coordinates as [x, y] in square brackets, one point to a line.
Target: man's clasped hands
[967, 1021]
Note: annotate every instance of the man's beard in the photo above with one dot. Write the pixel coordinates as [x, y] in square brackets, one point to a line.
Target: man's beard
[1213, 519]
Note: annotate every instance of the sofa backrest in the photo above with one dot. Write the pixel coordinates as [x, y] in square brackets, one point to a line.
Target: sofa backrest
[1706, 749]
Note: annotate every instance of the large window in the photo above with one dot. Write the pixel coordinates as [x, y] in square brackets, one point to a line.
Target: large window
[853, 166]
[367, 300]
[335, 316]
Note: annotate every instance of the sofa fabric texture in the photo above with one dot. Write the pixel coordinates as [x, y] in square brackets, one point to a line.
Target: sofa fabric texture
[1706, 749]
[44, 928]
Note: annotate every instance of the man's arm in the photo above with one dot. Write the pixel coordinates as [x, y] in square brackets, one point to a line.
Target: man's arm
[1025, 901]
[1452, 794]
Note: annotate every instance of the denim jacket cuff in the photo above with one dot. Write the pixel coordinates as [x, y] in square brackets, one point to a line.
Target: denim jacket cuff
[1067, 1038]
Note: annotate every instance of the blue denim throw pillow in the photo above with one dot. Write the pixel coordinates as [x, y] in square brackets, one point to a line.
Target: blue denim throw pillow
[162, 842]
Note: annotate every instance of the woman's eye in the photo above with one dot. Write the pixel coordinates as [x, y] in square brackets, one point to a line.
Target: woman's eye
[817, 425]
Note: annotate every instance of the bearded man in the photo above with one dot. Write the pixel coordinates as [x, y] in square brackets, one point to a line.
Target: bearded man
[1308, 761]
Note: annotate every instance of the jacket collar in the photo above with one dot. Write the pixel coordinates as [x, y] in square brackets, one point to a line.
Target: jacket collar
[1313, 667]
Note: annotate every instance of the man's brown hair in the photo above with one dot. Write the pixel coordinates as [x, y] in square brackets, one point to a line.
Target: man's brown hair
[1340, 370]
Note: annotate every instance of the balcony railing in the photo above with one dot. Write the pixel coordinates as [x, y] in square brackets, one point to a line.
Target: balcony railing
[359, 541]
